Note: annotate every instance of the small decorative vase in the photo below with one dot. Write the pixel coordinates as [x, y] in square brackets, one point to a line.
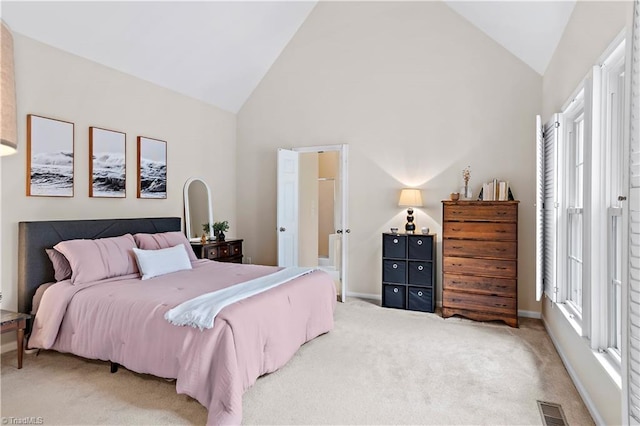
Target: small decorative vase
[220, 236]
[466, 193]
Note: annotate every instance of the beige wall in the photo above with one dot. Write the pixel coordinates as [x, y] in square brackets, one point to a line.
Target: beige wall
[308, 210]
[418, 93]
[200, 141]
[591, 29]
[328, 169]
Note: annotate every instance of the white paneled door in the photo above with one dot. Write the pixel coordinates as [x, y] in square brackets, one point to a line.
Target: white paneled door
[287, 226]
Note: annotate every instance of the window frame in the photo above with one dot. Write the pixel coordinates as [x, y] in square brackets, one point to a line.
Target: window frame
[573, 114]
[609, 157]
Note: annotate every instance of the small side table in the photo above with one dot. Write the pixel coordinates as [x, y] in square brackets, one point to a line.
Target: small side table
[15, 321]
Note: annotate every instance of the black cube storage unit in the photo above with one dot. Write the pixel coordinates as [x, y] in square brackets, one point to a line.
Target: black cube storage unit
[408, 271]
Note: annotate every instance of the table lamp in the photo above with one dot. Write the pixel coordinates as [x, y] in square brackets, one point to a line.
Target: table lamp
[410, 197]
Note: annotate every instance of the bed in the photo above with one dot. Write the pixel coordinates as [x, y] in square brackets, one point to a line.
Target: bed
[122, 319]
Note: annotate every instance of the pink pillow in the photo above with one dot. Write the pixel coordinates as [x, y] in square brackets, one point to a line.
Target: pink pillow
[94, 260]
[61, 267]
[163, 240]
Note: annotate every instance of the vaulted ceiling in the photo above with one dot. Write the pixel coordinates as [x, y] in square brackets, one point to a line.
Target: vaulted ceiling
[218, 51]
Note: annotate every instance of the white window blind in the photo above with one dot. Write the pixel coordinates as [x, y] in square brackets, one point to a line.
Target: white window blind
[539, 208]
[549, 211]
[634, 229]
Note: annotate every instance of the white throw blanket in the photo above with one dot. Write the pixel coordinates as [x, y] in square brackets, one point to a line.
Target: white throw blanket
[200, 311]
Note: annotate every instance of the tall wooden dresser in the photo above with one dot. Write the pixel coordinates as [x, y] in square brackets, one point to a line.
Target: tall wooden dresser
[480, 260]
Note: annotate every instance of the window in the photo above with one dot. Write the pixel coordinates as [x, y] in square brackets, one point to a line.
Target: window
[572, 201]
[612, 83]
[582, 220]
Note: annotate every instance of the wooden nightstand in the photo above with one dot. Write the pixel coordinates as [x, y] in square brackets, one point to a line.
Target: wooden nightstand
[15, 321]
[221, 251]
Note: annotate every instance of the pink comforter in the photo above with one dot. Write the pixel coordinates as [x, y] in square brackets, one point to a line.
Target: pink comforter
[122, 320]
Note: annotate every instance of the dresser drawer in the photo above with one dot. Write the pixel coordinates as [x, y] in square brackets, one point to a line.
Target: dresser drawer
[394, 271]
[482, 267]
[211, 253]
[224, 251]
[420, 247]
[483, 285]
[478, 302]
[420, 299]
[481, 213]
[474, 248]
[420, 273]
[235, 249]
[481, 230]
[394, 296]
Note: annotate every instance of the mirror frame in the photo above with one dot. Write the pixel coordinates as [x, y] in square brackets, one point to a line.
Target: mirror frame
[187, 218]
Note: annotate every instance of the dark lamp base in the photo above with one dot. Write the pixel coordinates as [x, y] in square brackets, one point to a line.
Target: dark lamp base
[410, 227]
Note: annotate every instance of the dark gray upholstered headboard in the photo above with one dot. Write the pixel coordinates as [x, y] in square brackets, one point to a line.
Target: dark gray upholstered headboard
[34, 266]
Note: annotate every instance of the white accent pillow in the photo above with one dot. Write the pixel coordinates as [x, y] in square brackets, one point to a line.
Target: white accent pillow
[153, 263]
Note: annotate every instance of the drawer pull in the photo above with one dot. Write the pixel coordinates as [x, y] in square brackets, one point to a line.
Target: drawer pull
[395, 289]
[501, 231]
[419, 242]
[456, 248]
[420, 267]
[395, 241]
[456, 264]
[502, 213]
[456, 229]
[503, 268]
[420, 293]
[395, 266]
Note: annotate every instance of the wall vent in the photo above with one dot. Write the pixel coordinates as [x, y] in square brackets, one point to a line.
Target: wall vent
[552, 414]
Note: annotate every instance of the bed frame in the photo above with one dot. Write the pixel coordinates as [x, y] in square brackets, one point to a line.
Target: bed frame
[34, 266]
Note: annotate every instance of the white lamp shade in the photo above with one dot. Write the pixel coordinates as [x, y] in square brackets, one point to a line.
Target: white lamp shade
[8, 127]
[410, 197]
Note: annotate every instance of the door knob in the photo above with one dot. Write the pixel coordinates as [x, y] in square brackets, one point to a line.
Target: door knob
[348, 231]
[621, 198]
[282, 229]
[339, 231]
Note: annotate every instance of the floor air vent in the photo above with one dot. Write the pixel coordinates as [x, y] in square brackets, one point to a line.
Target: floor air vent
[552, 414]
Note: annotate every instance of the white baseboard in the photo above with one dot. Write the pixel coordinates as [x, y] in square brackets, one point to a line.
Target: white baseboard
[365, 296]
[576, 380]
[8, 347]
[529, 314]
[521, 313]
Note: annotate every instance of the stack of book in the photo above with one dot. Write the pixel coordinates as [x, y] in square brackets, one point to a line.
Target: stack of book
[496, 190]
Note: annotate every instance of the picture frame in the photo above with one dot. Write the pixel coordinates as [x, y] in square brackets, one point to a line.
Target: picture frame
[152, 168]
[50, 157]
[107, 163]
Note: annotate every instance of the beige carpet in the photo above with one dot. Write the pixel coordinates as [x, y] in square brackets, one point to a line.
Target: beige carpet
[378, 366]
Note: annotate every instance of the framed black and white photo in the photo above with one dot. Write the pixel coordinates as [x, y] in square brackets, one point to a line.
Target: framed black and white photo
[107, 163]
[49, 157]
[152, 168]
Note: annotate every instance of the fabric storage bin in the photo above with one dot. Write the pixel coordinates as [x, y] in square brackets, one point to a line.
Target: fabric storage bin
[420, 273]
[420, 246]
[420, 299]
[394, 271]
[394, 245]
[394, 296]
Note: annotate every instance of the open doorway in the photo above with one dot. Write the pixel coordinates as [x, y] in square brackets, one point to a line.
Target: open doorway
[319, 173]
[312, 210]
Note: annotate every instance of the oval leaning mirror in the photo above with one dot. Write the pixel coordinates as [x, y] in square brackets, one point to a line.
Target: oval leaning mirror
[197, 208]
